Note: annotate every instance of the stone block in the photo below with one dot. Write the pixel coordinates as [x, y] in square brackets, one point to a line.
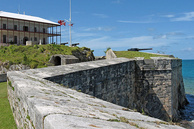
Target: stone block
[110, 54]
[30, 43]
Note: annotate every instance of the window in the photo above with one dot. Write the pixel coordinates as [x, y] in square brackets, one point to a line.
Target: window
[44, 41]
[43, 30]
[25, 28]
[35, 39]
[35, 29]
[15, 39]
[4, 38]
[15, 27]
[4, 26]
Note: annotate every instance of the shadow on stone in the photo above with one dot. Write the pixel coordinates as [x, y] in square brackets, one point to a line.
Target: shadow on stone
[57, 60]
[147, 99]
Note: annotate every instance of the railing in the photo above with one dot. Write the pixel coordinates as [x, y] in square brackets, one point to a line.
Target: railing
[21, 30]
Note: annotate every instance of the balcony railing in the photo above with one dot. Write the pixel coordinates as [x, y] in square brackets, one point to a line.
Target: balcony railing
[31, 31]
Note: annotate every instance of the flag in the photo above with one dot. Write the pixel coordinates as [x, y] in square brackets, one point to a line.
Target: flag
[71, 24]
[64, 23]
[61, 22]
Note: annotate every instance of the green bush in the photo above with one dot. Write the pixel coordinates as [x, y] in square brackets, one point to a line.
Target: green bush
[41, 49]
[36, 47]
[33, 64]
[25, 60]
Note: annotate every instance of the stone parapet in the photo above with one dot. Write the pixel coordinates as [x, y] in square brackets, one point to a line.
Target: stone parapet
[39, 103]
[160, 85]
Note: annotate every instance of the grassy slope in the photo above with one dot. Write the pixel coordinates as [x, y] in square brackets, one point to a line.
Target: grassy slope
[132, 54]
[6, 116]
[35, 56]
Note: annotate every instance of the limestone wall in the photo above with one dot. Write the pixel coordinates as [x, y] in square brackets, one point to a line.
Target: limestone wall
[113, 83]
[153, 87]
[160, 87]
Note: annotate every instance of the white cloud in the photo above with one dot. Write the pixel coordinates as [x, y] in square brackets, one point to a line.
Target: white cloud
[176, 33]
[167, 35]
[100, 15]
[141, 41]
[99, 29]
[79, 35]
[168, 16]
[160, 37]
[122, 21]
[188, 49]
[187, 17]
[151, 29]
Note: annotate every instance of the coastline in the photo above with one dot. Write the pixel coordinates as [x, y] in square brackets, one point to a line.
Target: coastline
[187, 114]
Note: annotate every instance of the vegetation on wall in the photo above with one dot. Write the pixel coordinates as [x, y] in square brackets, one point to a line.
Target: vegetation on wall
[36, 56]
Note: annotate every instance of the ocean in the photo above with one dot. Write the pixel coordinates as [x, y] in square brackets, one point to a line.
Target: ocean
[188, 78]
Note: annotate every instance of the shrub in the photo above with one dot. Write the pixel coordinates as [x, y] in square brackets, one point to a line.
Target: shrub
[33, 64]
[41, 49]
[25, 60]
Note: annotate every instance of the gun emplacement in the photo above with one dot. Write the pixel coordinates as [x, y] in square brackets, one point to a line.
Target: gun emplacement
[137, 49]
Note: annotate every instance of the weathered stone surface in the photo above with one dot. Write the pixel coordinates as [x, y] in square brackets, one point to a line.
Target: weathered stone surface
[36, 102]
[6, 66]
[72, 122]
[110, 54]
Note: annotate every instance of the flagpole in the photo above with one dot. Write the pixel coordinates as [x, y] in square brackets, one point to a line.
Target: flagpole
[70, 44]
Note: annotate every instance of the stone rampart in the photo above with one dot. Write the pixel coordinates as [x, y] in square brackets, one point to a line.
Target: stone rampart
[112, 83]
[153, 87]
[160, 87]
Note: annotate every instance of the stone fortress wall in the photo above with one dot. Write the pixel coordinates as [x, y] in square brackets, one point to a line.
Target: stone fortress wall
[154, 87]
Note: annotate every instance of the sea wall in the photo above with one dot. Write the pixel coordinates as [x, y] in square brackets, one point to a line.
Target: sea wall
[153, 87]
[160, 87]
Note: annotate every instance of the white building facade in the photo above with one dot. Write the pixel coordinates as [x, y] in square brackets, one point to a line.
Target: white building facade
[19, 28]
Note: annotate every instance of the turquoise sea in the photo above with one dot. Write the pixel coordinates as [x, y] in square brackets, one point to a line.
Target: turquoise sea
[188, 77]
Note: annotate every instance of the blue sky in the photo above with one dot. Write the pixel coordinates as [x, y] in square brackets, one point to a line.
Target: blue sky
[164, 25]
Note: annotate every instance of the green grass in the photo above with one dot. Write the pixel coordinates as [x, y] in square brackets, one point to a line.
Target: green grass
[6, 116]
[36, 56]
[133, 54]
